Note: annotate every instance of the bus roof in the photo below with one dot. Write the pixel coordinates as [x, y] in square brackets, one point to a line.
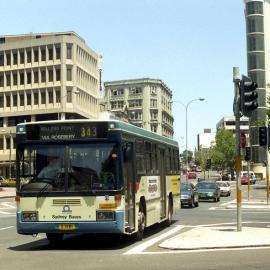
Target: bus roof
[118, 125]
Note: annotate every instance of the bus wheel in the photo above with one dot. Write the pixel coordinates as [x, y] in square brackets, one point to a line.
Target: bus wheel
[55, 238]
[168, 222]
[141, 225]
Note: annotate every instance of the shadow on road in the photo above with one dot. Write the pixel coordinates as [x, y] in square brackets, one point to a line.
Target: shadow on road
[89, 241]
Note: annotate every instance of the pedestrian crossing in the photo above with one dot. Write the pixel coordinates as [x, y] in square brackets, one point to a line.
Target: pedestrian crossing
[7, 209]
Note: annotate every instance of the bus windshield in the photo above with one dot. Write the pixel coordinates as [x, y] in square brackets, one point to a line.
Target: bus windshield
[68, 168]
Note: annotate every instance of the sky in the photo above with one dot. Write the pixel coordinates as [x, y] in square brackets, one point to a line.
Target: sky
[192, 46]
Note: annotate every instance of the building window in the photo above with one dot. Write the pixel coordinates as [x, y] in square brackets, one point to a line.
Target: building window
[1, 80]
[118, 92]
[135, 103]
[254, 8]
[255, 24]
[69, 95]
[57, 95]
[50, 71]
[8, 79]
[153, 103]
[256, 42]
[36, 55]
[50, 93]
[29, 56]
[69, 74]
[1, 59]
[22, 57]
[135, 115]
[15, 78]
[256, 60]
[58, 52]
[43, 54]
[58, 74]
[21, 78]
[15, 58]
[1, 101]
[29, 77]
[35, 98]
[50, 52]
[135, 90]
[117, 104]
[36, 76]
[43, 97]
[21, 99]
[15, 103]
[69, 51]
[43, 75]
[1, 143]
[28, 99]
[7, 100]
[8, 59]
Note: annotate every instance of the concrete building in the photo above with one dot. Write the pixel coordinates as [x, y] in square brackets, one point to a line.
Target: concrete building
[228, 122]
[144, 102]
[205, 140]
[257, 15]
[44, 77]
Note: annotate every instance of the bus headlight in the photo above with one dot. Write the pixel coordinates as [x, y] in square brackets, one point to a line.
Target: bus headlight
[29, 216]
[105, 215]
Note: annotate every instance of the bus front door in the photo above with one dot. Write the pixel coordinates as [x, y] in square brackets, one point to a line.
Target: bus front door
[162, 183]
[129, 184]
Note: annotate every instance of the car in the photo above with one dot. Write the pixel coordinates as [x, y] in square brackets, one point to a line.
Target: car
[225, 188]
[189, 195]
[244, 178]
[208, 190]
[192, 175]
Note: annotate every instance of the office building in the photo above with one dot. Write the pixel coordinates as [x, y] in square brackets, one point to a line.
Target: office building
[44, 77]
[146, 103]
[257, 15]
[205, 140]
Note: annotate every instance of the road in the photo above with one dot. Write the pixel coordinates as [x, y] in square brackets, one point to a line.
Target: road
[103, 252]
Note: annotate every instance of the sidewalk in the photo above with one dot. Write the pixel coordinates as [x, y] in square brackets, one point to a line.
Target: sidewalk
[218, 237]
[7, 192]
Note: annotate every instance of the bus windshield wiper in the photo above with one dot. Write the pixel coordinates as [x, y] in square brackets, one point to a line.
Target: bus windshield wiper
[42, 191]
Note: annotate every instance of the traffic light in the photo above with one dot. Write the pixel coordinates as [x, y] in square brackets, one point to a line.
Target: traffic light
[248, 96]
[248, 154]
[263, 140]
[208, 164]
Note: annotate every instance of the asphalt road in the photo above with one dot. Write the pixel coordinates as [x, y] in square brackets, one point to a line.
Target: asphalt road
[110, 252]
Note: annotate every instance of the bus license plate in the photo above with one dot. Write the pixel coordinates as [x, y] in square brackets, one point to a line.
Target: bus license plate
[67, 227]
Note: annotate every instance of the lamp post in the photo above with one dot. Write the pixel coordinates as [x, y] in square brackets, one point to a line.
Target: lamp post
[60, 100]
[186, 110]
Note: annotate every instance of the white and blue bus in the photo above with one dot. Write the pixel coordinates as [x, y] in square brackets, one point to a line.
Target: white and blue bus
[86, 176]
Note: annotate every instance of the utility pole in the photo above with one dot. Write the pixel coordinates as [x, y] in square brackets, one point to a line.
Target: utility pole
[236, 109]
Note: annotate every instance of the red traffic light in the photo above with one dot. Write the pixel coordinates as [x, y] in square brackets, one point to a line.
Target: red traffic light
[243, 140]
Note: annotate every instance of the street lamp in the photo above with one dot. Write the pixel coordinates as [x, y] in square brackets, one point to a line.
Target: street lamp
[76, 92]
[186, 110]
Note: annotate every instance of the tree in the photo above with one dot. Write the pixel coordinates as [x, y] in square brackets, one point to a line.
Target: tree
[224, 151]
[184, 156]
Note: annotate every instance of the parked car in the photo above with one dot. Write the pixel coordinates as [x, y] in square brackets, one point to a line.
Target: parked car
[225, 188]
[189, 195]
[244, 177]
[208, 191]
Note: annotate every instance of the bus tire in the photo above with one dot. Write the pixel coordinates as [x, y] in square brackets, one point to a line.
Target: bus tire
[55, 238]
[168, 222]
[141, 225]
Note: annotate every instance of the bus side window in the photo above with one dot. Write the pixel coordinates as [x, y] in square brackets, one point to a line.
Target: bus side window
[127, 152]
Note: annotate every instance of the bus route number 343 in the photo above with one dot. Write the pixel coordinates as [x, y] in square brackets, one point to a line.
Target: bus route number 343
[88, 132]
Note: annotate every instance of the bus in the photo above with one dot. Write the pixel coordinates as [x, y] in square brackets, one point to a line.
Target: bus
[93, 176]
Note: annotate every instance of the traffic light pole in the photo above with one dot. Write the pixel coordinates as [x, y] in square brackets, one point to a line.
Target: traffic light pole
[236, 108]
[267, 163]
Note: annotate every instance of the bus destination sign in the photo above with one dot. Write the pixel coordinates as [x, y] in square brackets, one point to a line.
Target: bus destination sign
[67, 132]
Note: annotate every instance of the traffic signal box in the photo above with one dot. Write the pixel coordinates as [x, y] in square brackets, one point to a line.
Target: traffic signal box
[248, 96]
[208, 164]
[263, 136]
[248, 154]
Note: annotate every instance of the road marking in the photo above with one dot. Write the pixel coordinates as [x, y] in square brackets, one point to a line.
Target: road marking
[140, 248]
[6, 228]
[9, 205]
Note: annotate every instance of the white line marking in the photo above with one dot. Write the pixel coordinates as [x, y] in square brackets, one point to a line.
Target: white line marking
[9, 205]
[2, 229]
[5, 213]
[140, 248]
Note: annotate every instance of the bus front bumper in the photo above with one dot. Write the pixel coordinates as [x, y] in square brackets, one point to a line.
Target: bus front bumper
[72, 227]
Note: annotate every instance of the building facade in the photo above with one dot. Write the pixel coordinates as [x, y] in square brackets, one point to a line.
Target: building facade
[44, 77]
[205, 140]
[146, 103]
[257, 15]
